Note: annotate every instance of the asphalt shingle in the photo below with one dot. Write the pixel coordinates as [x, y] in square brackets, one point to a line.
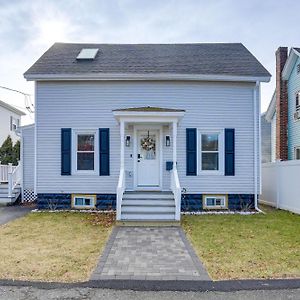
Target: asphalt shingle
[205, 59]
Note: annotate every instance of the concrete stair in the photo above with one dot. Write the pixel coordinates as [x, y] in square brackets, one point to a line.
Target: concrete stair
[4, 199]
[148, 206]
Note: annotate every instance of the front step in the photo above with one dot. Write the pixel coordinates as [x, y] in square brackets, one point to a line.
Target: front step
[153, 223]
[150, 216]
[148, 206]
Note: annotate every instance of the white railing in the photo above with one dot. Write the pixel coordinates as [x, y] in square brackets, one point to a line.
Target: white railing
[120, 192]
[176, 189]
[14, 178]
[4, 170]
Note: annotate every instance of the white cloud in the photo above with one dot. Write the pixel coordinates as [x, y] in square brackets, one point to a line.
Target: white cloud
[29, 28]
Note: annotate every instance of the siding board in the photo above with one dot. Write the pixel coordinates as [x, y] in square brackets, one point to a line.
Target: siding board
[89, 105]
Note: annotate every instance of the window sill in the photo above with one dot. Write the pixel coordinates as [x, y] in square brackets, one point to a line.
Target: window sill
[210, 173]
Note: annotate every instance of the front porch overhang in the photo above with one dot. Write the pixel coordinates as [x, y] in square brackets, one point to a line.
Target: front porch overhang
[148, 115]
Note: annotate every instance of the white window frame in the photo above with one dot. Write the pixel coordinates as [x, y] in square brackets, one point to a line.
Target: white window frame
[220, 133]
[75, 133]
[295, 152]
[14, 123]
[91, 197]
[224, 197]
[297, 107]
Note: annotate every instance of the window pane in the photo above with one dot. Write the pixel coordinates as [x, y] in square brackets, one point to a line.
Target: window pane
[85, 161]
[210, 201]
[209, 142]
[85, 142]
[210, 161]
[78, 201]
[297, 153]
[87, 201]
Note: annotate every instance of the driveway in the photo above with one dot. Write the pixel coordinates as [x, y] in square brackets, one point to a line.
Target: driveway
[149, 253]
[10, 213]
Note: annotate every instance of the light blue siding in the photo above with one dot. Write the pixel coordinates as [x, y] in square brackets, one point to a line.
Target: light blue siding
[89, 105]
[293, 125]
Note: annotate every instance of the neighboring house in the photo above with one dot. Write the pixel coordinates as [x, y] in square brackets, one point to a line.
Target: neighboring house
[27, 158]
[10, 119]
[284, 110]
[265, 139]
[148, 130]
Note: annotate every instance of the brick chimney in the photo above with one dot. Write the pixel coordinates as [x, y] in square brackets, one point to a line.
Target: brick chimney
[281, 106]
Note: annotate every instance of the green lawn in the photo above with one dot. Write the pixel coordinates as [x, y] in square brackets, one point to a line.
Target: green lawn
[252, 246]
[53, 246]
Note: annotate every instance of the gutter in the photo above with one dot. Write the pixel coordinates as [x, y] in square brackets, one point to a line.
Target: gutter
[149, 76]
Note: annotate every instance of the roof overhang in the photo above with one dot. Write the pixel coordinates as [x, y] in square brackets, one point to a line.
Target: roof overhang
[289, 65]
[136, 76]
[137, 116]
[12, 108]
[271, 109]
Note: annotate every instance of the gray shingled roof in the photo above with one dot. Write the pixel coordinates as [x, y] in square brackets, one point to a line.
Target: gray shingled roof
[204, 59]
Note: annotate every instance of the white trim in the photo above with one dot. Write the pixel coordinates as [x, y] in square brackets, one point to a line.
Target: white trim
[157, 76]
[35, 140]
[221, 158]
[93, 199]
[289, 64]
[255, 92]
[271, 108]
[146, 127]
[75, 133]
[12, 108]
[224, 197]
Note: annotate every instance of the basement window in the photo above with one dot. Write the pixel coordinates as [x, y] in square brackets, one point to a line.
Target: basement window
[215, 202]
[83, 201]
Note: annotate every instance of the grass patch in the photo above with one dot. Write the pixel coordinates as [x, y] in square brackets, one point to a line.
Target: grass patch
[61, 247]
[253, 246]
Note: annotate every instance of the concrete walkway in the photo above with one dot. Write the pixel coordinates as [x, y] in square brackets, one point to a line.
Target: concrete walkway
[149, 253]
[10, 213]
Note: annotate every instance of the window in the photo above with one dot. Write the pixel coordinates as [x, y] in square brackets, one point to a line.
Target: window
[83, 201]
[211, 156]
[14, 123]
[298, 101]
[297, 152]
[85, 147]
[215, 201]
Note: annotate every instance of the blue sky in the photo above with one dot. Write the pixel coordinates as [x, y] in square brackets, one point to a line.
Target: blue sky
[29, 28]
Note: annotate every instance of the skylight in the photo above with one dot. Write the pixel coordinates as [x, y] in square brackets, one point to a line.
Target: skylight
[87, 53]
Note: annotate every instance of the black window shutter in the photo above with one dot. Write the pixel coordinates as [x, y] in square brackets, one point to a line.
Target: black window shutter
[66, 149]
[229, 152]
[104, 151]
[191, 152]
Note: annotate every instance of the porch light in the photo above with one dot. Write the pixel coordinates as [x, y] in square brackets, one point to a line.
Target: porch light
[127, 140]
[168, 141]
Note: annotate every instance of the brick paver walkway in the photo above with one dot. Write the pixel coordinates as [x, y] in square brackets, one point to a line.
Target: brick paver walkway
[149, 253]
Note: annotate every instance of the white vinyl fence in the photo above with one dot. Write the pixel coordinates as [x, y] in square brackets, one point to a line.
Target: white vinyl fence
[281, 185]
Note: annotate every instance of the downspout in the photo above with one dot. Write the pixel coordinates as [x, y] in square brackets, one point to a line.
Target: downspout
[256, 141]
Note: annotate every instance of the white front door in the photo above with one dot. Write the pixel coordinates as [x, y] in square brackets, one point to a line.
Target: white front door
[148, 160]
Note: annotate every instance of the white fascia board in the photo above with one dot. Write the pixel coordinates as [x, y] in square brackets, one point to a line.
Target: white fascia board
[152, 117]
[157, 76]
[289, 65]
[271, 108]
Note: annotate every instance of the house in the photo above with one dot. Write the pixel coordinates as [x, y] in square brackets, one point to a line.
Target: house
[147, 129]
[10, 121]
[284, 110]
